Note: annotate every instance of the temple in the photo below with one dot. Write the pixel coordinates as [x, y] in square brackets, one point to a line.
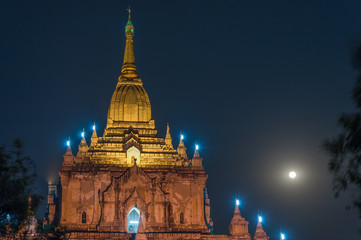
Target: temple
[131, 184]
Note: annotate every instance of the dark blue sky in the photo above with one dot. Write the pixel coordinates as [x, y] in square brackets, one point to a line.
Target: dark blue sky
[258, 84]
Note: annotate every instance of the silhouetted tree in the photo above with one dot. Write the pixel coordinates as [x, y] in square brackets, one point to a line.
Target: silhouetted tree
[345, 149]
[17, 174]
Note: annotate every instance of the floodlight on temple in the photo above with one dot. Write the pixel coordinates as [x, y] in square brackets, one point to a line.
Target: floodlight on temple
[94, 127]
[260, 219]
[82, 134]
[182, 136]
[68, 143]
[197, 147]
[283, 236]
[238, 202]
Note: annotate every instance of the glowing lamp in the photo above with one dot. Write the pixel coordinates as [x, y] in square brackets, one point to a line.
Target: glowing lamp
[260, 219]
[94, 127]
[237, 202]
[82, 134]
[283, 236]
[68, 143]
[197, 147]
[182, 137]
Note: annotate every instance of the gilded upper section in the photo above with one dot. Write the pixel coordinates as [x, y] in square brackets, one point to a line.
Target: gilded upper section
[130, 105]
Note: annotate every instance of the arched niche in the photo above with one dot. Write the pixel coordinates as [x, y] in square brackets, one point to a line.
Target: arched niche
[133, 220]
[132, 154]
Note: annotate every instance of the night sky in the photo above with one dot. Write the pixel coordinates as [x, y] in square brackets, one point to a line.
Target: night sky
[257, 84]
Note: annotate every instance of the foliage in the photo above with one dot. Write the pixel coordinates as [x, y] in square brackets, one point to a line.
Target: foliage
[16, 178]
[345, 149]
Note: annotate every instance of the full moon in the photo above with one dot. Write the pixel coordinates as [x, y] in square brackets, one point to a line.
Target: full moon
[292, 174]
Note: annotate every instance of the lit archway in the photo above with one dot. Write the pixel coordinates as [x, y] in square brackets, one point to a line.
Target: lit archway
[133, 153]
[133, 220]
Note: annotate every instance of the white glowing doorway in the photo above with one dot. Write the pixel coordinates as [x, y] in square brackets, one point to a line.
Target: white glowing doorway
[133, 220]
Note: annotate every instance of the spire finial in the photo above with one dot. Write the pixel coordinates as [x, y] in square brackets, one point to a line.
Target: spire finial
[181, 143]
[68, 143]
[196, 153]
[129, 11]
[129, 70]
[68, 150]
[236, 207]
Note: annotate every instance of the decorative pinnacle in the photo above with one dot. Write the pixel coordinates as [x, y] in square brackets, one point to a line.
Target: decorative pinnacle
[129, 11]
[68, 150]
[129, 70]
[168, 138]
[94, 137]
[68, 143]
[236, 207]
[129, 29]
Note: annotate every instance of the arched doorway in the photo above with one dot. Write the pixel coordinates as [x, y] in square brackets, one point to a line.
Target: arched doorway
[133, 220]
[133, 153]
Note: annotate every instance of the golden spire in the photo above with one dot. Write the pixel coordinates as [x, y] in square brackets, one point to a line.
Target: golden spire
[83, 146]
[129, 70]
[182, 150]
[168, 138]
[94, 137]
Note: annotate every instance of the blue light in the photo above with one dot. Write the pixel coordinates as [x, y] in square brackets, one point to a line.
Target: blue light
[283, 236]
[197, 147]
[82, 134]
[238, 202]
[182, 137]
[260, 219]
[94, 127]
[68, 143]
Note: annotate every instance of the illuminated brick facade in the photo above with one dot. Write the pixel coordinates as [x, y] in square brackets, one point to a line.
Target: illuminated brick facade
[131, 181]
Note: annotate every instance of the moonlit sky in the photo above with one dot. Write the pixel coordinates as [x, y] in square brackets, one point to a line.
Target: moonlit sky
[257, 84]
